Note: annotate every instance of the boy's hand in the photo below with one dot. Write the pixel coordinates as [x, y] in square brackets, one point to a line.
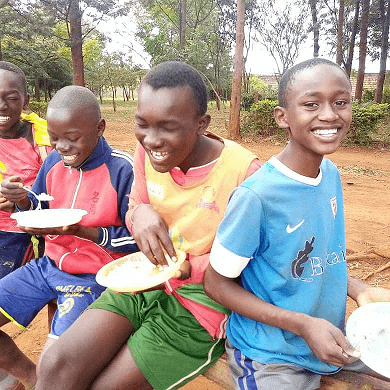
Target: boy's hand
[151, 234]
[6, 205]
[373, 294]
[53, 231]
[328, 343]
[11, 189]
[184, 272]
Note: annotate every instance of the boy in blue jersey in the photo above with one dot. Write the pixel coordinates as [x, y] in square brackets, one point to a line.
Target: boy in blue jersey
[283, 236]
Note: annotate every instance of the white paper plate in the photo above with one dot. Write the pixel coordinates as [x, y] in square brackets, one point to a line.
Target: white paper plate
[369, 327]
[135, 272]
[48, 218]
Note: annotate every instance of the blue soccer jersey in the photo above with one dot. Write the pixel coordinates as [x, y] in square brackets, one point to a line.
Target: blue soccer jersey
[284, 234]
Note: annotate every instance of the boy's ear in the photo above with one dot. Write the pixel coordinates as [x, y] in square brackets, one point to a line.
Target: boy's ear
[281, 117]
[204, 122]
[26, 101]
[101, 126]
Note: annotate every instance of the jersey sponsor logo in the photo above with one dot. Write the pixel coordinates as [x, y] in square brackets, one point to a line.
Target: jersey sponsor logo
[305, 267]
[291, 229]
[155, 190]
[207, 199]
[297, 266]
[65, 307]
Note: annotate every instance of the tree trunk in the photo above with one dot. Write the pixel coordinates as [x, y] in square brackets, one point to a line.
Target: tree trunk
[183, 21]
[385, 17]
[316, 30]
[113, 99]
[340, 27]
[235, 101]
[76, 43]
[348, 66]
[362, 50]
[37, 95]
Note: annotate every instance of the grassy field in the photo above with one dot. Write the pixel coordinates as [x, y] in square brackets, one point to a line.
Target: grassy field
[125, 113]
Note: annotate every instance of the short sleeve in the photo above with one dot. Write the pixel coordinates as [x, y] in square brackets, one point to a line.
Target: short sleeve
[238, 235]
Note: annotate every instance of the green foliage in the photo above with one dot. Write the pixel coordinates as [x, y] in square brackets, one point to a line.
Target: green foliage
[39, 108]
[247, 99]
[369, 123]
[368, 96]
[386, 95]
[204, 46]
[365, 121]
[262, 89]
[260, 120]
[255, 89]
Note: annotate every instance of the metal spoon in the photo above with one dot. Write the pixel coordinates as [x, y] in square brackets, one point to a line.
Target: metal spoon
[42, 197]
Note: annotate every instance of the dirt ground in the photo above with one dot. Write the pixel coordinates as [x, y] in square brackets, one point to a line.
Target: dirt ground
[366, 182]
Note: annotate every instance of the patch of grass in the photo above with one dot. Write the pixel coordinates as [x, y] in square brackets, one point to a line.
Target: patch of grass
[361, 171]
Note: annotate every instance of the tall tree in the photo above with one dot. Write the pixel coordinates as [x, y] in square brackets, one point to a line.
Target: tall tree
[183, 22]
[362, 50]
[72, 13]
[76, 43]
[207, 41]
[28, 39]
[384, 7]
[282, 30]
[315, 28]
[235, 101]
[351, 44]
[340, 28]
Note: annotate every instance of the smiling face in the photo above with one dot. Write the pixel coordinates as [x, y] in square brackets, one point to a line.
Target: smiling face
[74, 135]
[12, 101]
[317, 114]
[169, 127]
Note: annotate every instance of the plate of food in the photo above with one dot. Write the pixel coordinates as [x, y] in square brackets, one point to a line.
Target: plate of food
[48, 218]
[368, 328]
[135, 272]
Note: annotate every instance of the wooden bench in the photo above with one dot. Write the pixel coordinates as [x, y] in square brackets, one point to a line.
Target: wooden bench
[344, 380]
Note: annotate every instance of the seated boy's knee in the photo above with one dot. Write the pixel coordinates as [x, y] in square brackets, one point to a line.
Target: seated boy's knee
[52, 362]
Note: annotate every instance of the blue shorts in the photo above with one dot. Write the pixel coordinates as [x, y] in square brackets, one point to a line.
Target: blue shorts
[248, 374]
[24, 292]
[15, 250]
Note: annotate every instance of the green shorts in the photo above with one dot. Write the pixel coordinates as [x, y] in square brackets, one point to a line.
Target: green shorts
[169, 345]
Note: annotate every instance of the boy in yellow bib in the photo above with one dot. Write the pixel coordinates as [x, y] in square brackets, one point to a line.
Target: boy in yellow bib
[24, 144]
[184, 175]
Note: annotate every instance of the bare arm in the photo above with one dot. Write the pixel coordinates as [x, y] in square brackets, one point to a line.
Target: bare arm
[364, 293]
[325, 340]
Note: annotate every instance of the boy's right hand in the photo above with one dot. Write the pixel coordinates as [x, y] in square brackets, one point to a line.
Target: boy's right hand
[151, 234]
[12, 190]
[328, 342]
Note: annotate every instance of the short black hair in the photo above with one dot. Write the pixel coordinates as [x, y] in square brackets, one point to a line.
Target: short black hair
[19, 73]
[289, 75]
[75, 96]
[172, 74]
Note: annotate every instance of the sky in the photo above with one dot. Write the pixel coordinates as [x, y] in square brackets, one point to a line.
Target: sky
[122, 34]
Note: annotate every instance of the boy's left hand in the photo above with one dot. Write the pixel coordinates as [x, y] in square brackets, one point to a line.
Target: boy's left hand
[373, 294]
[53, 231]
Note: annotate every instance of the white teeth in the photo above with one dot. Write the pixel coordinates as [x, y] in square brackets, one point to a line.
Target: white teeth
[325, 132]
[69, 159]
[158, 155]
[4, 118]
